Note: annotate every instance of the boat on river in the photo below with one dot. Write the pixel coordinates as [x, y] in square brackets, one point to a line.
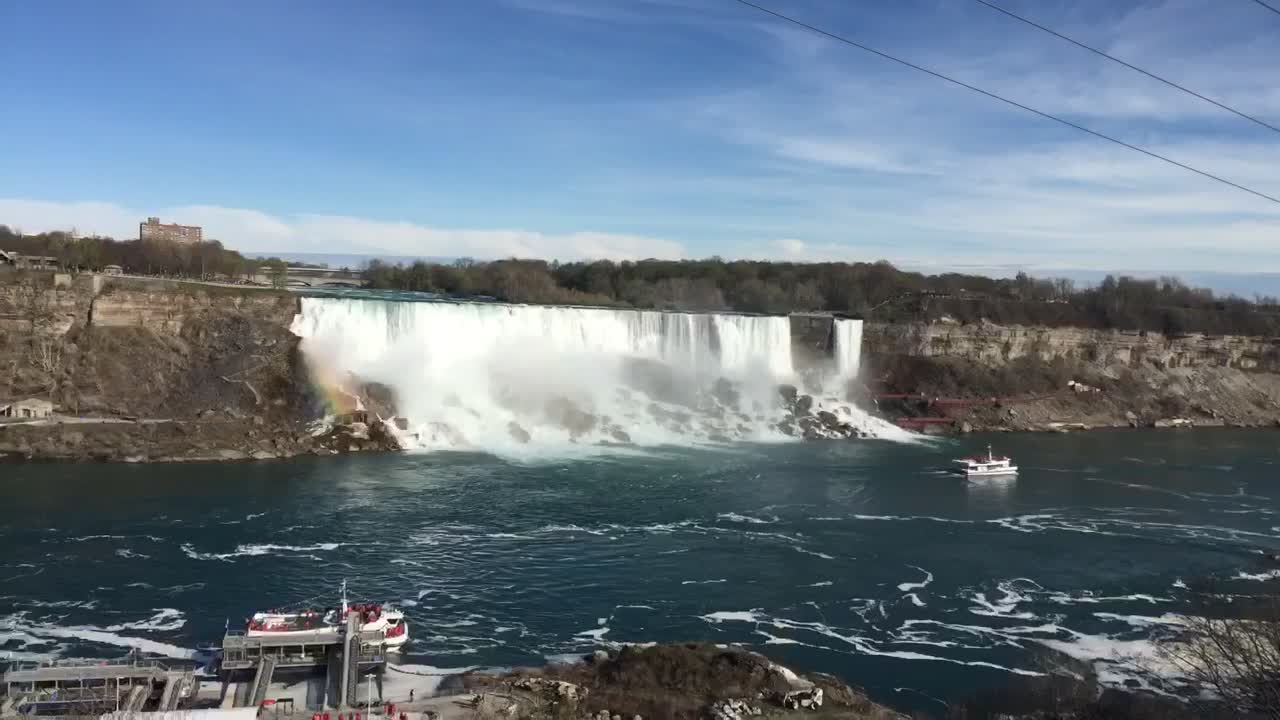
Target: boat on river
[988, 466]
[301, 621]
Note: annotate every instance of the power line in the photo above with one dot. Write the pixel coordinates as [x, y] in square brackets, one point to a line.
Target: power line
[1007, 101]
[1131, 66]
[1269, 7]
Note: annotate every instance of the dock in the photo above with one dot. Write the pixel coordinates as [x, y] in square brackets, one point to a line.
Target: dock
[313, 669]
[79, 688]
[339, 658]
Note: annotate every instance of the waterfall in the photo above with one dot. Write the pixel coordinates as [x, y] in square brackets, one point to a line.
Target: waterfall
[494, 376]
[848, 348]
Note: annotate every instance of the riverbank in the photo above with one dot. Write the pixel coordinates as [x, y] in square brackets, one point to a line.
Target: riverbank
[667, 682]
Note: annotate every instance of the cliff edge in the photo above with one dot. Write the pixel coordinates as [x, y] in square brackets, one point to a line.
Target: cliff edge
[153, 370]
[1011, 377]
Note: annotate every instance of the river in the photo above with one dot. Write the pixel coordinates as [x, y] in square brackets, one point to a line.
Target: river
[855, 558]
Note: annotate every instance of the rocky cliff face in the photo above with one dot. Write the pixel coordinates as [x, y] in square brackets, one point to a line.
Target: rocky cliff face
[996, 345]
[149, 370]
[1053, 378]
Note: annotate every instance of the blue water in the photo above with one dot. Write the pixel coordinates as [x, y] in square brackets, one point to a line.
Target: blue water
[859, 559]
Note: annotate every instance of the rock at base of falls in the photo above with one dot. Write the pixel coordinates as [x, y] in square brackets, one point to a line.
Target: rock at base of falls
[519, 434]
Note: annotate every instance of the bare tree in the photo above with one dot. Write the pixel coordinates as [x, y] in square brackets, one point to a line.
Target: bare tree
[1236, 659]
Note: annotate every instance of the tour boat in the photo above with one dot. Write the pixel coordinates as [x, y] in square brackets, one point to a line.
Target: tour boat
[989, 466]
[301, 622]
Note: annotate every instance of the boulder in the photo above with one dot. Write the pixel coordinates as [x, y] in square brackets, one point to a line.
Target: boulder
[518, 433]
[803, 699]
[788, 393]
[804, 404]
[1131, 417]
[620, 435]
[829, 419]
[557, 691]
[401, 423]
[733, 710]
[358, 430]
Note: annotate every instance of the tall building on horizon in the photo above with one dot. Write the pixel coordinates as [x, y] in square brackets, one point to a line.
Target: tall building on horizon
[153, 229]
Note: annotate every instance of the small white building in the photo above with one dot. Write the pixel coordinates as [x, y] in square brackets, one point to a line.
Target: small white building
[27, 409]
[112, 270]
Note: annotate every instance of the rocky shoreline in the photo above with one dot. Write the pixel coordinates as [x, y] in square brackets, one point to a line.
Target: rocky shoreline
[200, 440]
[230, 435]
[668, 682]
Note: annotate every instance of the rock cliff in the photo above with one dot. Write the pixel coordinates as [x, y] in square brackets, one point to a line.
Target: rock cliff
[146, 370]
[1061, 378]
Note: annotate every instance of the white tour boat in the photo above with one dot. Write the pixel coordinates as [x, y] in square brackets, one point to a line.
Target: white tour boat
[300, 622]
[989, 466]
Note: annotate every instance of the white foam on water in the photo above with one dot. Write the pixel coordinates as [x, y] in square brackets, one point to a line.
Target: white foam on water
[1259, 577]
[928, 578]
[824, 583]
[164, 620]
[571, 528]
[771, 639]
[1087, 598]
[860, 645]
[1146, 621]
[1006, 606]
[915, 599]
[257, 550]
[905, 518]
[732, 616]
[735, 517]
[814, 553]
[596, 634]
[703, 582]
[129, 554]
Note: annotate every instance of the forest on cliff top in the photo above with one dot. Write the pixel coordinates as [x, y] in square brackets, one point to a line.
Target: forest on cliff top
[875, 291]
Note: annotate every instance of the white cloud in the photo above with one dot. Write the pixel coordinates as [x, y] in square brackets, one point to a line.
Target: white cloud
[256, 231]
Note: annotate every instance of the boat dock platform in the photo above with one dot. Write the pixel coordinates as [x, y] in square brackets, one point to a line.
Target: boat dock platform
[345, 655]
[78, 688]
[330, 668]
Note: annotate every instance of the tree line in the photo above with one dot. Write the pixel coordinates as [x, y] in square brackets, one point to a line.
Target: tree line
[876, 291]
[208, 259]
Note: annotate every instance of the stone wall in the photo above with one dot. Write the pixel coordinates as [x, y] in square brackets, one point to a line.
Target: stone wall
[995, 345]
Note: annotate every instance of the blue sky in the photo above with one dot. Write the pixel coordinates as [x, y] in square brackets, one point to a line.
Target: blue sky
[638, 128]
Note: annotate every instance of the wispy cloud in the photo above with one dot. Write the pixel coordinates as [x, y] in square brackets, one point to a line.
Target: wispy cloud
[859, 151]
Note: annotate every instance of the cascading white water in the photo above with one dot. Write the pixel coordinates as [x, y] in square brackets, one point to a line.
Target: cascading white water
[496, 376]
[848, 347]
